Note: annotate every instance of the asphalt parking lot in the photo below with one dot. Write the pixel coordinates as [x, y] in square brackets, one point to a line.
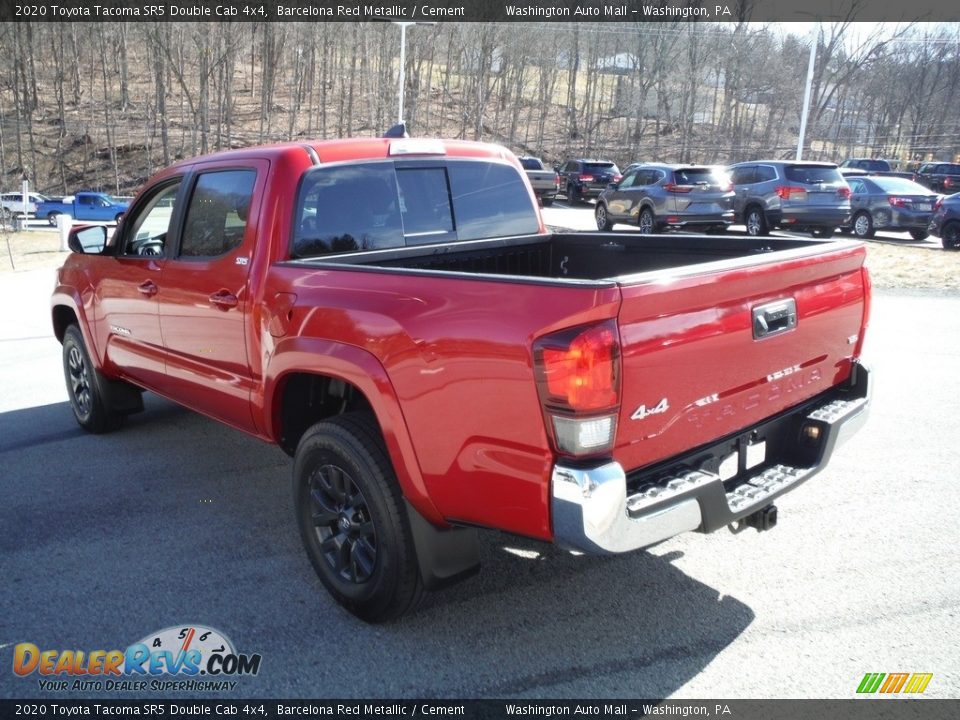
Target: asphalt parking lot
[178, 520]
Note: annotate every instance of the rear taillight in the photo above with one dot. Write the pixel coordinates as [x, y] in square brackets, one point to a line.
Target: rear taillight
[938, 202]
[897, 201]
[578, 379]
[586, 178]
[617, 178]
[728, 187]
[674, 188]
[845, 192]
[948, 183]
[787, 192]
[556, 180]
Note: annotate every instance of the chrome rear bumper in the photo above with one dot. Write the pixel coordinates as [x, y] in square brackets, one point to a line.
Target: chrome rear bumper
[594, 513]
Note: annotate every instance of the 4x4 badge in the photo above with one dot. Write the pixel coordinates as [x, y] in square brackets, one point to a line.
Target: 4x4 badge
[643, 411]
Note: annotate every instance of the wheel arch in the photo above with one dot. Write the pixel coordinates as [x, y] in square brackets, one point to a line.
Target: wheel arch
[310, 380]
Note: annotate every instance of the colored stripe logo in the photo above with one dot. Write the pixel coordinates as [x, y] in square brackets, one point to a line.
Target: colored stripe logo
[893, 683]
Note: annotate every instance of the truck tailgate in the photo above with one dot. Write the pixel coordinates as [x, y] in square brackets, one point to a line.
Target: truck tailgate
[712, 352]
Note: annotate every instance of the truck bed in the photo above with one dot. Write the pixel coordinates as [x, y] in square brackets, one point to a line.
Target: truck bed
[595, 258]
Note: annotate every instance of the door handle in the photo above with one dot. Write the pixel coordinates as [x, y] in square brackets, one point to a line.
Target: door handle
[774, 318]
[148, 288]
[224, 299]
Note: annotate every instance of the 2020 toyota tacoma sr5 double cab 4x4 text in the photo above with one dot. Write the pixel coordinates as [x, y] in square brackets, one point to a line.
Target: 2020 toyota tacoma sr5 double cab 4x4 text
[393, 314]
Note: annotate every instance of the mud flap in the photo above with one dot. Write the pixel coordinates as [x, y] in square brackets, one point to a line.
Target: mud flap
[445, 556]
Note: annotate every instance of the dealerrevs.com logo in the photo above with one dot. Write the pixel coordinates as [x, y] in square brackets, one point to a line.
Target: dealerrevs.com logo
[185, 657]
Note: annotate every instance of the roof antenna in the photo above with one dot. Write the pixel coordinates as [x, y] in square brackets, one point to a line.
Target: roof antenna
[397, 131]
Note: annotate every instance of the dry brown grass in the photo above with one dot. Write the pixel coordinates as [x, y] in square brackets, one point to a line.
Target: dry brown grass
[890, 266]
[932, 268]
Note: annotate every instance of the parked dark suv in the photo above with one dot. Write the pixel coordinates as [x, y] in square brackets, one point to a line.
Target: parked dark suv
[584, 179]
[657, 196]
[810, 196]
[945, 223]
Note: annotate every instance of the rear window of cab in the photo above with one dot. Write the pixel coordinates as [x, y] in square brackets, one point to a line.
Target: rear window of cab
[385, 204]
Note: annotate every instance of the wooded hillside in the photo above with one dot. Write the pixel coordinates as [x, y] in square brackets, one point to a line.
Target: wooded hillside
[105, 105]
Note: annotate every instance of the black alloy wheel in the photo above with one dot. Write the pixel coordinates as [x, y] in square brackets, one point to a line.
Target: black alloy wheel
[353, 519]
[342, 523]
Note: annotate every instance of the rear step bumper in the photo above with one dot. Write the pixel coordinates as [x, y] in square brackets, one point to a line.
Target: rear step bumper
[594, 512]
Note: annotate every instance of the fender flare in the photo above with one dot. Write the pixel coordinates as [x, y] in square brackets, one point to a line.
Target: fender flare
[364, 371]
[68, 297]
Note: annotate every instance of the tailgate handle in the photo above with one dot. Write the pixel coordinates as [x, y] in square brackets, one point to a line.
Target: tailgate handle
[774, 318]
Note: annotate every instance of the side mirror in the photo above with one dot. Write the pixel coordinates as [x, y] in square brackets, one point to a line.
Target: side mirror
[613, 185]
[90, 240]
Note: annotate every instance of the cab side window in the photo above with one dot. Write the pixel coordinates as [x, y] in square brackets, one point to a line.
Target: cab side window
[217, 213]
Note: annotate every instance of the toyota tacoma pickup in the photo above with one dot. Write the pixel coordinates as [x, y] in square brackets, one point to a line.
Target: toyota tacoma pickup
[394, 315]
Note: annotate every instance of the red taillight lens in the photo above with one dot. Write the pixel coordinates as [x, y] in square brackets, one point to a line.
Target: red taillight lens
[938, 202]
[586, 178]
[578, 379]
[617, 178]
[579, 369]
[786, 192]
[948, 183]
[674, 188]
[897, 201]
[845, 192]
[556, 180]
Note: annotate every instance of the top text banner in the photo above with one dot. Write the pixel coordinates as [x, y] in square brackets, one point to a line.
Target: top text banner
[630, 11]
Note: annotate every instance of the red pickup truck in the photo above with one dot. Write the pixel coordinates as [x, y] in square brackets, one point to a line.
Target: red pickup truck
[394, 315]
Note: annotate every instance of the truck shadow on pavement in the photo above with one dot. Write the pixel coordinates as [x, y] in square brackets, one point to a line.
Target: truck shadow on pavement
[178, 520]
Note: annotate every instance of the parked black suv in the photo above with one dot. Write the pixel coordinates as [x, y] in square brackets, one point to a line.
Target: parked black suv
[794, 195]
[584, 179]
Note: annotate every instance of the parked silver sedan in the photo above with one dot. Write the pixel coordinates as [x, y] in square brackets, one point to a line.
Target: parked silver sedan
[657, 196]
[880, 202]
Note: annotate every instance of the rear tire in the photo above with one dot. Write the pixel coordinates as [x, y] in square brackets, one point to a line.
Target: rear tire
[603, 219]
[52, 218]
[546, 201]
[85, 387]
[755, 221]
[353, 520]
[863, 226]
[647, 222]
[950, 235]
[573, 195]
[919, 235]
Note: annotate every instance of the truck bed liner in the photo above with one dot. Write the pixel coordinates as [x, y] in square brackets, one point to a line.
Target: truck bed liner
[598, 257]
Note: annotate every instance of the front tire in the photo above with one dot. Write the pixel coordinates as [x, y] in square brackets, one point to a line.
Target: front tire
[85, 387]
[603, 219]
[52, 218]
[353, 520]
[950, 235]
